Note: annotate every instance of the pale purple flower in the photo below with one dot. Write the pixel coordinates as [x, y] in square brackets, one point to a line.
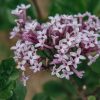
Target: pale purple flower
[92, 59]
[21, 65]
[24, 78]
[14, 32]
[19, 9]
[36, 67]
[54, 19]
[54, 70]
[31, 56]
[77, 55]
[74, 63]
[62, 47]
[40, 44]
[58, 27]
[17, 45]
[55, 61]
[78, 73]
[66, 66]
[66, 74]
[23, 6]
[41, 36]
[61, 57]
[27, 52]
[31, 25]
[67, 39]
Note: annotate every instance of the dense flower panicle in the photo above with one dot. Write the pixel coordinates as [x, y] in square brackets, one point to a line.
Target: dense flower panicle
[69, 39]
[25, 55]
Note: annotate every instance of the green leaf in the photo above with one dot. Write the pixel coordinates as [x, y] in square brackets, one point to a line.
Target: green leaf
[96, 66]
[97, 9]
[93, 4]
[44, 53]
[69, 87]
[41, 96]
[53, 88]
[41, 53]
[14, 75]
[74, 7]
[8, 77]
[20, 91]
[91, 98]
[7, 92]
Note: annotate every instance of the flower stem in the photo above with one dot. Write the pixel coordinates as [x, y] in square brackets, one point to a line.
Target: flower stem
[39, 14]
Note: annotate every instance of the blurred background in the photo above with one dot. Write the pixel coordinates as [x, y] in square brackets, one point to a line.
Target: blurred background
[89, 86]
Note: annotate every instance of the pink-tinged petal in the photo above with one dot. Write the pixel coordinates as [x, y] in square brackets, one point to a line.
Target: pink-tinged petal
[29, 53]
[13, 48]
[67, 68]
[92, 45]
[69, 63]
[26, 58]
[75, 66]
[78, 73]
[66, 74]
[67, 77]
[23, 62]
[22, 67]
[31, 62]
[58, 75]
[24, 78]
[55, 61]
[89, 63]
[65, 56]
[23, 6]
[54, 70]
[38, 45]
[57, 47]
[62, 50]
[40, 64]
[60, 68]
[56, 55]
[32, 67]
[73, 54]
[47, 46]
[77, 60]
[82, 57]
[69, 43]
[79, 51]
[35, 57]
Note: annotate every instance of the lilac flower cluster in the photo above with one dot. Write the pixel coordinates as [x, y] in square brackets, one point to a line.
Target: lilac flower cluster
[70, 39]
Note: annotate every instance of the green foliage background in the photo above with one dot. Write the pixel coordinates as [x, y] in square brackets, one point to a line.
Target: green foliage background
[87, 88]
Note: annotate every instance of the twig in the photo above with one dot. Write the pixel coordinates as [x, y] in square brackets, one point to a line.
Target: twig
[39, 14]
[82, 94]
